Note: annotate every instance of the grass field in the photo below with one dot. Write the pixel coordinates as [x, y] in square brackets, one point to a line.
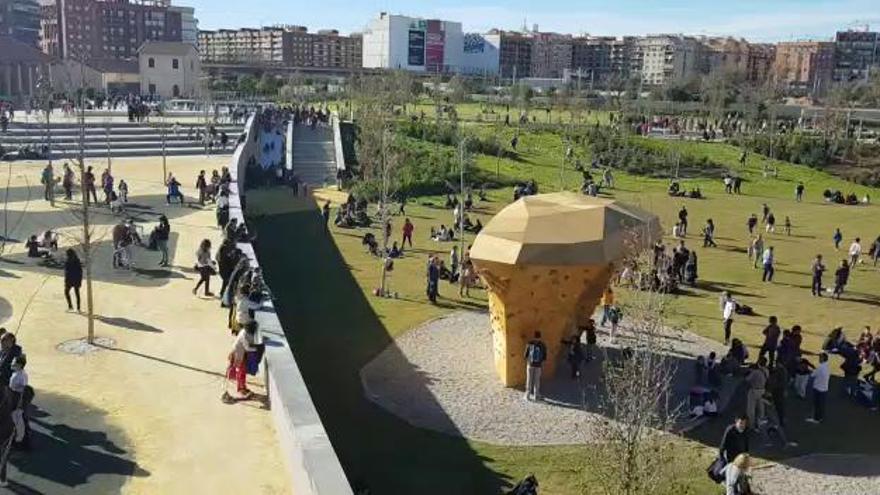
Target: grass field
[336, 326]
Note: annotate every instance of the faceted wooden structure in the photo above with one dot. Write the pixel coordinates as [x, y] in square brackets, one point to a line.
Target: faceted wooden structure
[546, 260]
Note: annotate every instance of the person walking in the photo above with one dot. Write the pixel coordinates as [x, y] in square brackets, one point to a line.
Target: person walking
[771, 223]
[751, 223]
[202, 187]
[433, 279]
[771, 332]
[173, 190]
[205, 267]
[683, 221]
[778, 385]
[88, 184]
[107, 185]
[48, 181]
[876, 250]
[535, 355]
[709, 234]
[73, 275]
[163, 233]
[407, 229]
[799, 192]
[757, 383]
[841, 277]
[765, 210]
[787, 225]
[855, 252]
[607, 302]
[837, 238]
[756, 250]
[67, 181]
[575, 357]
[728, 309]
[768, 260]
[817, 269]
[821, 376]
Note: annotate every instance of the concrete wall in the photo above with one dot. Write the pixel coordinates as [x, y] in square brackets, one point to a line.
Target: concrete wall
[311, 461]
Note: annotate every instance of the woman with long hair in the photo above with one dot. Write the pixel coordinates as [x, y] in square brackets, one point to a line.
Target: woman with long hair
[73, 274]
[205, 267]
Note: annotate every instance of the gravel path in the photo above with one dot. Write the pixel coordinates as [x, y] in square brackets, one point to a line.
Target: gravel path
[821, 474]
[441, 376]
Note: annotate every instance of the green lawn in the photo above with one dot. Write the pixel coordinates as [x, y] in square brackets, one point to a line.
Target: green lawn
[323, 284]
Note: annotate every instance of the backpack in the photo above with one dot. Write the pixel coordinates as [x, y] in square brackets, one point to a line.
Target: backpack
[536, 353]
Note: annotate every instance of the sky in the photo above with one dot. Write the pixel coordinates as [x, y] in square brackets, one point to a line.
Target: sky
[756, 20]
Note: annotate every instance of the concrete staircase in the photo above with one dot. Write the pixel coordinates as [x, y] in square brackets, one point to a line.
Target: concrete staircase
[314, 156]
[126, 139]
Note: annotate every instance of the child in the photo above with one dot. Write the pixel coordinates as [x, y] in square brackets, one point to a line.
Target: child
[787, 225]
[802, 375]
[614, 317]
[123, 191]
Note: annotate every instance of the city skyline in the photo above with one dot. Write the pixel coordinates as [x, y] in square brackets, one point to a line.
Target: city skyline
[781, 20]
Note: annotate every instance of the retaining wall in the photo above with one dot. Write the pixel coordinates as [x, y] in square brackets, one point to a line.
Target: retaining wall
[311, 461]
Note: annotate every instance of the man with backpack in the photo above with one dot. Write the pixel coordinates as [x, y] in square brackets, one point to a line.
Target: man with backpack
[536, 354]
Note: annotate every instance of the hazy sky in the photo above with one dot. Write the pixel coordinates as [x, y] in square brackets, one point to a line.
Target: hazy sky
[760, 20]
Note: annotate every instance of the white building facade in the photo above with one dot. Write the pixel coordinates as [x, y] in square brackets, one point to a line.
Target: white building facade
[482, 54]
[169, 69]
[418, 45]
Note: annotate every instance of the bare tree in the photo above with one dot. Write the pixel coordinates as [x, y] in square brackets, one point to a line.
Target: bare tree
[633, 443]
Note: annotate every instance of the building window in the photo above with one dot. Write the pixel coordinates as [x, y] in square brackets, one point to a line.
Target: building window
[151, 89]
[175, 64]
[151, 63]
[175, 91]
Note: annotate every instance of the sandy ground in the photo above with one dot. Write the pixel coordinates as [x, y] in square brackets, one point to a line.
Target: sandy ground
[144, 415]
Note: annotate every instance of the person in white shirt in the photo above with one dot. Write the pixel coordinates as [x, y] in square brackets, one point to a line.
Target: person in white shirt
[245, 342]
[768, 260]
[728, 309]
[855, 251]
[821, 375]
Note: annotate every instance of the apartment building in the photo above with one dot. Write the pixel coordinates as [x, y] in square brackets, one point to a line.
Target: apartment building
[20, 19]
[759, 67]
[724, 55]
[514, 52]
[856, 54]
[661, 59]
[601, 58]
[88, 30]
[329, 49]
[804, 66]
[551, 55]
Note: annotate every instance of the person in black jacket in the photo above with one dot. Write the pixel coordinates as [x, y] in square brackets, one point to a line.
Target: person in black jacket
[735, 440]
[227, 259]
[73, 274]
[162, 233]
[9, 350]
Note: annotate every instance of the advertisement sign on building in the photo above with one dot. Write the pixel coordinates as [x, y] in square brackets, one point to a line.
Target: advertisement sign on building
[474, 43]
[416, 54]
[434, 43]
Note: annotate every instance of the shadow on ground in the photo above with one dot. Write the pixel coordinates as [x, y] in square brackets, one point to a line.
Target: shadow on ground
[334, 333]
[73, 450]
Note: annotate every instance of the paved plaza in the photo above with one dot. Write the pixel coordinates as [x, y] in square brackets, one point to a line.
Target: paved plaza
[142, 414]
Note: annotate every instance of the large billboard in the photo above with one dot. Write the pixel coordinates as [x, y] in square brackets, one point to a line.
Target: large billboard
[474, 43]
[416, 54]
[435, 40]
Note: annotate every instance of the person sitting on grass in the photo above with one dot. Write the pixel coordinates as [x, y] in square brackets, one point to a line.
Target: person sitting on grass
[369, 240]
[395, 252]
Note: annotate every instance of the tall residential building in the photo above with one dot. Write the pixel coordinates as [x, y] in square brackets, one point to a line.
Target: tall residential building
[419, 45]
[89, 30]
[601, 58]
[189, 25]
[724, 54]
[285, 46]
[21, 20]
[661, 59]
[759, 67]
[551, 55]
[857, 53]
[253, 46]
[331, 50]
[515, 52]
[806, 66]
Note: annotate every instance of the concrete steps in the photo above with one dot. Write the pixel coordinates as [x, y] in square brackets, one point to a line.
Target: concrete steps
[314, 159]
[126, 139]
